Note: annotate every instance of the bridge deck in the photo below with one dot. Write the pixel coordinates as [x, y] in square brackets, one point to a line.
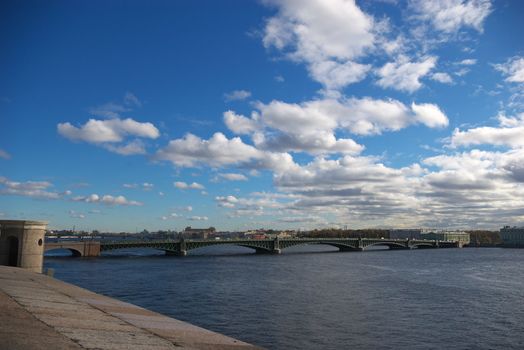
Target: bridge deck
[274, 246]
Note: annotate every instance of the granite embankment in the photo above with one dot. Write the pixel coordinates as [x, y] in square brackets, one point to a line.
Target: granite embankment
[40, 312]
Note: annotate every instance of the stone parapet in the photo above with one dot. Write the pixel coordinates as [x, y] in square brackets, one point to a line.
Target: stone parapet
[40, 312]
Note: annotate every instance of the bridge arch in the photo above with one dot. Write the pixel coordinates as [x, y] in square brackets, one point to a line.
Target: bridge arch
[258, 246]
[423, 245]
[339, 245]
[74, 252]
[389, 244]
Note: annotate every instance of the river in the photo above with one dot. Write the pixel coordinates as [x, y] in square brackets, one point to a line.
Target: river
[316, 298]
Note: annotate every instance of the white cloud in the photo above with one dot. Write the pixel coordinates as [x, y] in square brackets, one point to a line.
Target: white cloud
[113, 130]
[198, 218]
[113, 133]
[239, 124]
[444, 78]
[218, 151]
[76, 215]
[131, 148]
[319, 143]
[449, 16]
[513, 69]
[4, 154]
[226, 201]
[237, 95]
[233, 177]
[184, 186]
[34, 189]
[429, 115]
[147, 186]
[314, 121]
[462, 72]
[334, 75]
[327, 35]
[468, 62]
[170, 216]
[509, 133]
[403, 74]
[106, 199]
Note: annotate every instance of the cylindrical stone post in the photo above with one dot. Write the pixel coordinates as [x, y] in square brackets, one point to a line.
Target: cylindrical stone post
[22, 244]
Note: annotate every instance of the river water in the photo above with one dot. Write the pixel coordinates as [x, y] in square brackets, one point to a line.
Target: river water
[316, 298]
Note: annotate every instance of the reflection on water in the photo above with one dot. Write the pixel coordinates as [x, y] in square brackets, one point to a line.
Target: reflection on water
[316, 298]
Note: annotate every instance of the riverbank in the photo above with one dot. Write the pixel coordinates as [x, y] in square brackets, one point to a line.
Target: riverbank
[40, 312]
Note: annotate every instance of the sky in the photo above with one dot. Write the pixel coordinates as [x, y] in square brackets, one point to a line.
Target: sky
[131, 115]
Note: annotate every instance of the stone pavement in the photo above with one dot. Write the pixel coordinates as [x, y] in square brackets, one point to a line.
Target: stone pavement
[39, 312]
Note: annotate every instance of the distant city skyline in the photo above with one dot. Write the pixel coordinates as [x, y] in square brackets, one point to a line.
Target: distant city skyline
[283, 114]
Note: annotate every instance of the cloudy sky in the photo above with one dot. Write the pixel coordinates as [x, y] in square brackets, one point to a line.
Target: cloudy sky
[246, 114]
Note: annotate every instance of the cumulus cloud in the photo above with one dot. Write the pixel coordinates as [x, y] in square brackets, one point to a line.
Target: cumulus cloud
[429, 115]
[237, 95]
[327, 35]
[146, 186]
[449, 16]
[226, 201]
[218, 151]
[310, 126]
[470, 188]
[240, 124]
[232, 176]
[334, 75]
[116, 134]
[113, 130]
[403, 74]
[509, 133]
[133, 147]
[468, 62]
[444, 78]
[319, 143]
[513, 69]
[106, 199]
[34, 189]
[184, 186]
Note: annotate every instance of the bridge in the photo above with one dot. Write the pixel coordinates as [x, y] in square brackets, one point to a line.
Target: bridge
[261, 246]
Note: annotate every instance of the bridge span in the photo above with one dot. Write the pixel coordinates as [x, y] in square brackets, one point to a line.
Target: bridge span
[261, 246]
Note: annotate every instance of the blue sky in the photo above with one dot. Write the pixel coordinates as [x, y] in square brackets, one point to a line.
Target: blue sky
[125, 116]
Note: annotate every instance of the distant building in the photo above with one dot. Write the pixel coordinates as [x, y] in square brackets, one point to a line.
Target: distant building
[512, 236]
[443, 235]
[197, 233]
[405, 233]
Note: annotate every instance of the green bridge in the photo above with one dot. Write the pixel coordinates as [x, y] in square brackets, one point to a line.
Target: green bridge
[261, 246]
